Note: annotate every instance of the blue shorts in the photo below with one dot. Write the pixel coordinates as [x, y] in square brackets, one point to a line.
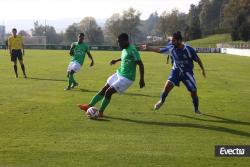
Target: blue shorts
[16, 54]
[187, 77]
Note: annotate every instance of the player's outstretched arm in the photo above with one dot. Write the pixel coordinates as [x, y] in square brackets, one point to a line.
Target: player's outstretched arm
[149, 48]
[114, 61]
[202, 67]
[141, 68]
[91, 58]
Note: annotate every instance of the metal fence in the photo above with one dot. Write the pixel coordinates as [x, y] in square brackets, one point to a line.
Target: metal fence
[67, 47]
[239, 45]
[103, 47]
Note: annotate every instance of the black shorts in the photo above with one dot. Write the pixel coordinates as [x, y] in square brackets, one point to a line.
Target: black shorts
[16, 54]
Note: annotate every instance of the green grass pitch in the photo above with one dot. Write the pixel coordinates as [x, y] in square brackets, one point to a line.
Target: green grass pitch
[41, 126]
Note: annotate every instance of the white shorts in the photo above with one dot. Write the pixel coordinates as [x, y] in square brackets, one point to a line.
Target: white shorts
[74, 66]
[119, 83]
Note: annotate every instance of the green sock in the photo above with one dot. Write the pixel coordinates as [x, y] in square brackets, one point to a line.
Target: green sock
[71, 80]
[74, 81]
[95, 99]
[105, 103]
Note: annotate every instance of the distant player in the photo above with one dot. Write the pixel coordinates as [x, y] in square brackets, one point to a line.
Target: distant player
[123, 78]
[6, 44]
[16, 49]
[182, 71]
[78, 51]
[169, 42]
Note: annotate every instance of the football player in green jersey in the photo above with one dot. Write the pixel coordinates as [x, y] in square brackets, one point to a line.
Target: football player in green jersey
[77, 52]
[123, 78]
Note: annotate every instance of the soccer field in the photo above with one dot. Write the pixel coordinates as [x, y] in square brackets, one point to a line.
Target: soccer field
[41, 126]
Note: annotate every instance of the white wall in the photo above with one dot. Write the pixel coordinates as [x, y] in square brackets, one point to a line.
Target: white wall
[239, 52]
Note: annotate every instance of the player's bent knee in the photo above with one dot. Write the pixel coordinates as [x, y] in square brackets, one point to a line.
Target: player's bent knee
[109, 92]
[105, 88]
[71, 72]
[193, 93]
[170, 83]
[169, 86]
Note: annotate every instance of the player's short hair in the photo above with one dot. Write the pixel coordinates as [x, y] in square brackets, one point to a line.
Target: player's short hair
[177, 35]
[14, 29]
[81, 33]
[123, 36]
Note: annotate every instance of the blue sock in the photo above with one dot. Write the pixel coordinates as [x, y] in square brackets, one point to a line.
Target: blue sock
[163, 96]
[195, 102]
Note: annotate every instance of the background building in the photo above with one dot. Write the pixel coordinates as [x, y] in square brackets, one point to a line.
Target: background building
[2, 34]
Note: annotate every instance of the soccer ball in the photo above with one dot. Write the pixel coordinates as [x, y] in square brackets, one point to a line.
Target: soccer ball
[92, 112]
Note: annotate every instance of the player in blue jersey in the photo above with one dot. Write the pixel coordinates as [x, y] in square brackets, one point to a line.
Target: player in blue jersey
[182, 56]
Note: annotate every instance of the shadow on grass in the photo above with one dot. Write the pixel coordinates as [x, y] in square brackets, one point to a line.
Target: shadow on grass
[139, 94]
[126, 94]
[84, 90]
[219, 119]
[100, 119]
[47, 79]
[185, 125]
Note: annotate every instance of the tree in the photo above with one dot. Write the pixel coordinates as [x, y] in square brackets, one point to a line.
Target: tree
[237, 15]
[39, 30]
[93, 33]
[211, 15]
[163, 24]
[148, 28]
[241, 27]
[49, 31]
[95, 36]
[232, 9]
[24, 33]
[151, 24]
[71, 32]
[51, 35]
[182, 23]
[244, 31]
[172, 22]
[130, 23]
[194, 23]
[88, 25]
[113, 27]
[205, 16]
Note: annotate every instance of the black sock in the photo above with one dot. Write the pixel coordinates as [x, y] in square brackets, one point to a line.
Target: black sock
[15, 69]
[23, 68]
[195, 102]
[163, 96]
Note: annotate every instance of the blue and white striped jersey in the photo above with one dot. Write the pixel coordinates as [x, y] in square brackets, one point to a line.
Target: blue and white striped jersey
[182, 58]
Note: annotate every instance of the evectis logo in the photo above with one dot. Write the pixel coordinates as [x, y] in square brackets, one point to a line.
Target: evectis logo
[232, 151]
[236, 151]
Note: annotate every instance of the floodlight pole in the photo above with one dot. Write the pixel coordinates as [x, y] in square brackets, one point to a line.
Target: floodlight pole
[45, 34]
